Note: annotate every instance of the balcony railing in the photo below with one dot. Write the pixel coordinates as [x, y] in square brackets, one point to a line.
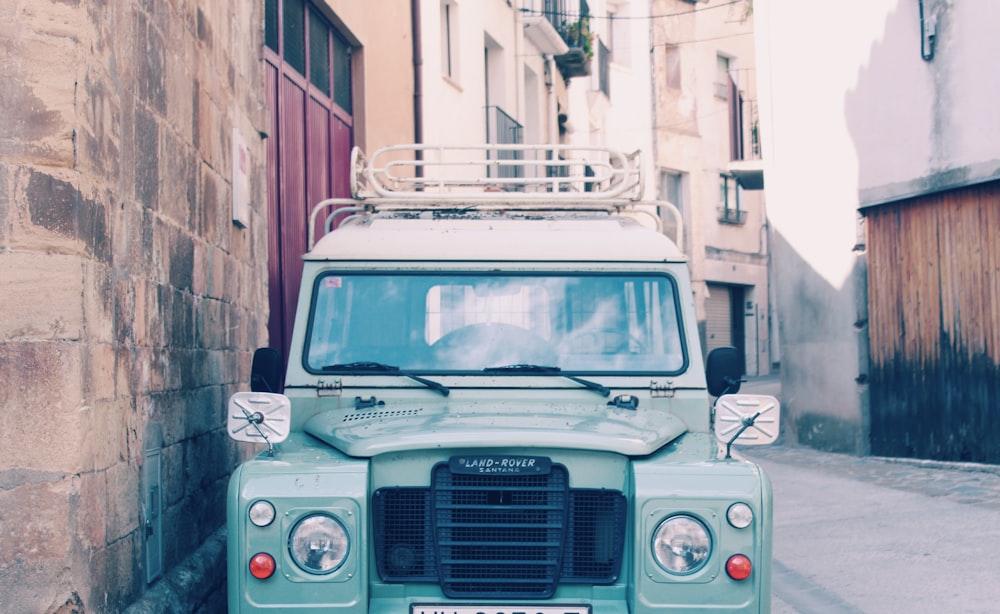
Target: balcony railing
[554, 11]
[732, 216]
[502, 129]
[744, 130]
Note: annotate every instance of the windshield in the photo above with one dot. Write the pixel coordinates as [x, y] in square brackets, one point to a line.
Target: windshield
[468, 322]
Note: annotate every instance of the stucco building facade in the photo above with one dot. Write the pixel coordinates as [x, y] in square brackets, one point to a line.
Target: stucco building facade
[708, 162]
[882, 172]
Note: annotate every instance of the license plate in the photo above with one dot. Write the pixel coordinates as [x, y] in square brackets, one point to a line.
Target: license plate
[432, 608]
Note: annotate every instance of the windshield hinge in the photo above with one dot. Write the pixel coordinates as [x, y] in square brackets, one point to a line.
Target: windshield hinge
[659, 389]
[332, 388]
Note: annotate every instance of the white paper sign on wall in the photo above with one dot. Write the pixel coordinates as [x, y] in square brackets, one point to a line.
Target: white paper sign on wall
[241, 180]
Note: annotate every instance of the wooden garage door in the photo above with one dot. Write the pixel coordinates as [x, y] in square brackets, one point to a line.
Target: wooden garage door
[934, 325]
[309, 98]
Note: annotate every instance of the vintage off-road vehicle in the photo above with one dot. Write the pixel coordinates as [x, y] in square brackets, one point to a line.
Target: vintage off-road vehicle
[496, 402]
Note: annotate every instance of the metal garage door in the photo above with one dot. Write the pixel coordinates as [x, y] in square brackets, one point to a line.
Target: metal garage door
[718, 317]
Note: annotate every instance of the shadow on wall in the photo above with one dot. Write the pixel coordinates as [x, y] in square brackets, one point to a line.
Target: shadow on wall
[822, 336]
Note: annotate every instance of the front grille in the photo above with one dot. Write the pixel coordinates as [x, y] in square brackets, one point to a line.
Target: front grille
[498, 536]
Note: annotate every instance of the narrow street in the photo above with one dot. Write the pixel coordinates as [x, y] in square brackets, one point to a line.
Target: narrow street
[880, 535]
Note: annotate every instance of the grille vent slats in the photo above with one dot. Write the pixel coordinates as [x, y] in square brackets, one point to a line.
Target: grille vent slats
[499, 536]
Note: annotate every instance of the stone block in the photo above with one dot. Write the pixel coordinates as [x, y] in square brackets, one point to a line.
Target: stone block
[32, 523]
[88, 507]
[123, 500]
[39, 96]
[60, 209]
[176, 197]
[33, 587]
[101, 303]
[200, 274]
[42, 412]
[43, 296]
[172, 457]
[100, 372]
[121, 578]
[105, 433]
[140, 316]
[4, 207]
[220, 261]
[147, 157]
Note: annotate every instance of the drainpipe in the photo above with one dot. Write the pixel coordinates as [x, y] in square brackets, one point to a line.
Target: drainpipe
[928, 34]
[551, 128]
[418, 88]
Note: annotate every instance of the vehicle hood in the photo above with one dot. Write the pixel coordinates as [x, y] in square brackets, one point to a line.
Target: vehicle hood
[472, 424]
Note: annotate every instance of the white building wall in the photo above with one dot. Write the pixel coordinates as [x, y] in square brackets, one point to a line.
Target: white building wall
[493, 62]
[628, 123]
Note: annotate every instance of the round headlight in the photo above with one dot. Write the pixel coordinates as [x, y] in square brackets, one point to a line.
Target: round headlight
[318, 544]
[681, 545]
[739, 515]
[261, 513]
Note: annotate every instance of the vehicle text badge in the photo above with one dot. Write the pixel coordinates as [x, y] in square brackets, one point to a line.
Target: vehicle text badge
[500, 464]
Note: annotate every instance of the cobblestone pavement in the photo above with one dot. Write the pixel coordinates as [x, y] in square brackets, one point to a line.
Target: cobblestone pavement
[967, 483]
[867, 535]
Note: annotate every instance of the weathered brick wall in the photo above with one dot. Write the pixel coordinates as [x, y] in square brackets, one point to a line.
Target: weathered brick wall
[129, 301]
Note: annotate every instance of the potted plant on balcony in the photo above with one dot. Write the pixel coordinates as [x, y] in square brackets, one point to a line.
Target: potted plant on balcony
[576, 62]
[578, 34]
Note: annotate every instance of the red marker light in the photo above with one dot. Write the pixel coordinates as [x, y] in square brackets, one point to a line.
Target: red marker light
[262, 566]
[739, 567]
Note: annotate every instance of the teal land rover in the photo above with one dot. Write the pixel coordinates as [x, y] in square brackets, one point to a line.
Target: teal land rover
[495, 402]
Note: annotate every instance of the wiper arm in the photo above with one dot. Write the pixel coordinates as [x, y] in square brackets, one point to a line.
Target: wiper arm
[545, 369]
[377, 367]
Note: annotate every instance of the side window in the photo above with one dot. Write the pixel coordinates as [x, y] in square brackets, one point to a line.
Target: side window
[671, 188]
[619, 35]
[722, 78]
[672, 66]
[729, 201]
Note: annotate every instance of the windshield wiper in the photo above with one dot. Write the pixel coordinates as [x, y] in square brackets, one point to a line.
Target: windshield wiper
[377, 367]
[544, 369]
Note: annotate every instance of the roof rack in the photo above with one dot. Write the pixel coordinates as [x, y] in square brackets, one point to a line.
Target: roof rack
[489, 177]
[483, 173]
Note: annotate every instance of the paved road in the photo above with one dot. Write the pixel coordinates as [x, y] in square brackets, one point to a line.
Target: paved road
[879, 535]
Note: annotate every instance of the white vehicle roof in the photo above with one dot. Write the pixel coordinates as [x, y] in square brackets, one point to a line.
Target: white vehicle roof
[494, 236]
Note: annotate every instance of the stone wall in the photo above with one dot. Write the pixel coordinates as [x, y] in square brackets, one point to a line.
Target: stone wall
[131, 302]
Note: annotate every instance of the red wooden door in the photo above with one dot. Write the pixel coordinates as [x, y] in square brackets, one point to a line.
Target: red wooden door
[309, 145]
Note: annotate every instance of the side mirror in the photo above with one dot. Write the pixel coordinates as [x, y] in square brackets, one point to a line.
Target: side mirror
[259, 417]
[747, 419]
[265, 371]
[724, 371]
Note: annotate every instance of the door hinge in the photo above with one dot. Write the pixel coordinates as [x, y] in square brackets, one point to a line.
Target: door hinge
[332, 388]
[661, 389]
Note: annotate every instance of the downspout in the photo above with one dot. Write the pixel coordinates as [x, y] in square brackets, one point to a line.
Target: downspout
[550, 68]
[928, 34]
[418, 88]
